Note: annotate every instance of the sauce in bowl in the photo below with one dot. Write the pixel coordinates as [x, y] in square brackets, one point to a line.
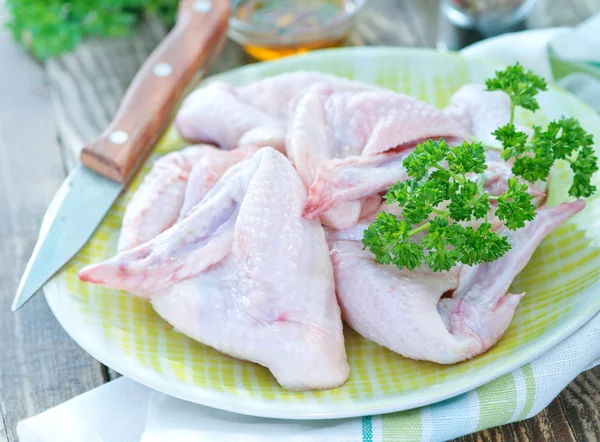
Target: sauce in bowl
[269, 29]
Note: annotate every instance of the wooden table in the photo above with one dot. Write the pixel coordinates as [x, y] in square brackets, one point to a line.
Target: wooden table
[48, 110]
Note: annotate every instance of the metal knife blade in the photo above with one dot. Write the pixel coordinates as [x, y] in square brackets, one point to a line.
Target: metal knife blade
[66, 227]
[109, 162]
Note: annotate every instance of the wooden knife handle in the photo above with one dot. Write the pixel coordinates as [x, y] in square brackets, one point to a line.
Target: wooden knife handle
[144, 112]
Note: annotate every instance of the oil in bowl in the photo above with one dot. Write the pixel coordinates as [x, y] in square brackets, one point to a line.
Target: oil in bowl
[269, 29]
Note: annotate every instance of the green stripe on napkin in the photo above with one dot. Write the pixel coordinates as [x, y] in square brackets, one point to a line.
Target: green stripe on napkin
[408, 428]
[494, 407]
[529, 390]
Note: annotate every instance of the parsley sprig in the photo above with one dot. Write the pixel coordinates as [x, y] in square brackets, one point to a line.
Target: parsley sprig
[435, 203]
[52, 27]
[444, 199]
[563, 139]
[520, 85]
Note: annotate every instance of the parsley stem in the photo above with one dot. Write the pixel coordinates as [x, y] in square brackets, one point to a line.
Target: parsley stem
[496, 148]
[480, 183]
[487, 146]
[512, 110]
[458, 178]
[492, 197]
[428, 223]
[419, 229]
[439, 212]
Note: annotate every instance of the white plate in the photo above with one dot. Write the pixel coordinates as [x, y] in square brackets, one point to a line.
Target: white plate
[561, 282]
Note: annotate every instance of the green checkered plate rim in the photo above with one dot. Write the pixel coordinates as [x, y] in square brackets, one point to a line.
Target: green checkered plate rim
[561, 279]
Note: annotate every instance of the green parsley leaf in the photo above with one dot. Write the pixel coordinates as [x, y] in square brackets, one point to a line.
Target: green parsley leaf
[52, 27]
[387, 239]
[383, 233]
[442, 241]
[400, 192]
[514, 206]
[584, 166]
[533, 159]
[465, 158]
[521, 86]
[562, 138]
[482, 245]
[425, 197]
[443, 192]
[425, 156]
[513, 141]
[467, 203]
[407, 254]
[533, 168]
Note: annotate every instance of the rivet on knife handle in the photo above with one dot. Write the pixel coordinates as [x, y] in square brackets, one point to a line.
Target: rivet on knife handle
[156, 89]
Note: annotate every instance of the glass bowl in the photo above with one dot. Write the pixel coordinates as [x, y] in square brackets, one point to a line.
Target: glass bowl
[490, 17]
[269, 29]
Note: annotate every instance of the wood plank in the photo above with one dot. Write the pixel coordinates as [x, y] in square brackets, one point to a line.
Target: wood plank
[86, 86]
[581, 404]
[550, 425]
[40, 365]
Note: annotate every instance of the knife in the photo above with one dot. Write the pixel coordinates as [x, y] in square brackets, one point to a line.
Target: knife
[108, 163]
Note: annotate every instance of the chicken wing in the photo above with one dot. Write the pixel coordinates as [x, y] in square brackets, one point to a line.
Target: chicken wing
[404, 310]
[329, 125]
[244, 273]
[173, 186]
[255, 114]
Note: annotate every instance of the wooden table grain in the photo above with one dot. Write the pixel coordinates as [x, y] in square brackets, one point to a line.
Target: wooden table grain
[48, 111]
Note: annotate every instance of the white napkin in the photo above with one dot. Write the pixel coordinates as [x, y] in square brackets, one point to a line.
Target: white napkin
[569, 56]
[125, 411]
[114, 412]
[527, 47]
[581, 43]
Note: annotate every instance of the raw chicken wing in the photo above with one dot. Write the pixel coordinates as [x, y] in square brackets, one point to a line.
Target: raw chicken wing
[244, 273]
[402, 310]
[352, 179]
[329, 125]
[175, 184]
[255, 114]
[215, 114]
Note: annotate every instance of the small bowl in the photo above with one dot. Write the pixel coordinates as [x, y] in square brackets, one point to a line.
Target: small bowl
[489, 17]
[266, 43]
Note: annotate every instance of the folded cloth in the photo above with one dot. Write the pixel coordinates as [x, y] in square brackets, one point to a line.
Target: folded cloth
[574, 58]
[114, 412]
[119, 410]
[569, 57]
[124, 411]
[512, 397]
[531, 52]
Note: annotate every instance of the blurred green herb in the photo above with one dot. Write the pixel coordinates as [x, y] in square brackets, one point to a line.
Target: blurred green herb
[51, 27]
